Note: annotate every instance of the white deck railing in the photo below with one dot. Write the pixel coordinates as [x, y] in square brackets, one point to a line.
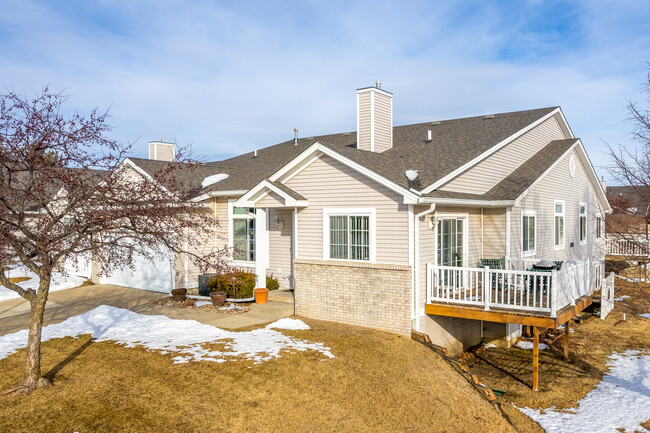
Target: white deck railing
[537, 291]
[628, 246]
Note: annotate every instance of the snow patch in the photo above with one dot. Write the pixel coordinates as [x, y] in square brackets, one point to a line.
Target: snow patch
[186, 338]
[211, 180]
[622, 298]
[490, 345]
[620, 401]
[645, 315]
[528, 345]
[287, 323]
[202, 303]
[58, 282]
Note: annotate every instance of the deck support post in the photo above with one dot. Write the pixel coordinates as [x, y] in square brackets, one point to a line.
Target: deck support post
[566, 340]
[535, 358]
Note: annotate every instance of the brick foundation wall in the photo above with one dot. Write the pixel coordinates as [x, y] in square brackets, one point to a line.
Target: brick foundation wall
[371, 295]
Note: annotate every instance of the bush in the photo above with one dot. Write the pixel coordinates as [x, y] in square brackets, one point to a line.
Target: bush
[272, 283]
[236, 284]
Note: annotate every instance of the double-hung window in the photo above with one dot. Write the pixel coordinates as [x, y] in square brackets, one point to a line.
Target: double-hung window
[243, 234]
[583, 222]
[348, 235]
[559, 224]
[529, 233]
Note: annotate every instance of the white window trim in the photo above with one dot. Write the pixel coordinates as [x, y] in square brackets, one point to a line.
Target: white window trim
[602, 227]
[563, 215]
[583, 241]
[529, 213]
[370, 212]
[231, 242]
[458, 215]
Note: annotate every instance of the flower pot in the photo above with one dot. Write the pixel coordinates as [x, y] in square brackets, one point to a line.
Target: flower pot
[261, 295]
[218, 298]
[179, 294]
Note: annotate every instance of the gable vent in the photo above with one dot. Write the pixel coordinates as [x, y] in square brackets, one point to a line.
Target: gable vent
[374, 119]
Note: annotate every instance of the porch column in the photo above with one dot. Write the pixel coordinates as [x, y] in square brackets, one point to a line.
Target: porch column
[260, 247]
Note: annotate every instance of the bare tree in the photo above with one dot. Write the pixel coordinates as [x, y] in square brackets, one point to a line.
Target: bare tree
[64, 193]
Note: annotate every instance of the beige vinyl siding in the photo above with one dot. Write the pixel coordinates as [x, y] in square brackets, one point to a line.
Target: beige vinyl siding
[480, 178]
[218, 239]
[280, 246]
[383, 122]
[161, 151]
[327, 183]
[364, 121]
[271, 199]
[559, 185]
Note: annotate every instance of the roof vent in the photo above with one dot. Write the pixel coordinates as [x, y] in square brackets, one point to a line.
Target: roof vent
[489, 116]
[295, 136]
[411, 174]
[255, 154]
[429, 135]
[435, 123]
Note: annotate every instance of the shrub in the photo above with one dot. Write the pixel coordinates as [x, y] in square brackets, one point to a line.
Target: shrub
[236, 284]
[272, 283]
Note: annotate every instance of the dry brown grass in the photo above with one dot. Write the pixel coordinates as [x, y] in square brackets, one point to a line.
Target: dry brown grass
[564, 383]
[17, 280]
[377, 382]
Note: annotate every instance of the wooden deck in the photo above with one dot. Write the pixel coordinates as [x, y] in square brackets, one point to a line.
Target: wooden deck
[538, 321]
[504, 315]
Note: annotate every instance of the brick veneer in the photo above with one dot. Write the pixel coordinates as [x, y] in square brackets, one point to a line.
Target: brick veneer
[372, 295]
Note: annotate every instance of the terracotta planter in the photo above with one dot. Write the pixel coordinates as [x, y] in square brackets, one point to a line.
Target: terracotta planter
[179, 294]
[218, 298]
[261, 295]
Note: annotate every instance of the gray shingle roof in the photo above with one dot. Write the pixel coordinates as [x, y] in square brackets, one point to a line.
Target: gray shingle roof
[454, 143]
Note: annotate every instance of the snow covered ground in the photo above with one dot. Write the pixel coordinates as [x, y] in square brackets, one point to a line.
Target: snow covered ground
[528, 345]
[59, 282]
[645, 315]
[184, 338]
[620, 401]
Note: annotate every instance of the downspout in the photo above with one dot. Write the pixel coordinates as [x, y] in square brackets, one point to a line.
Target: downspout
[416, 243]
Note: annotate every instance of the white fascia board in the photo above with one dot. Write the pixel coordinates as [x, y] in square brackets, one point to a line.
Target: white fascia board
[232, 193]
[467, 202]
[548, 170]
[487, 153]
[247, 199]
[318, 147]
[566, 124]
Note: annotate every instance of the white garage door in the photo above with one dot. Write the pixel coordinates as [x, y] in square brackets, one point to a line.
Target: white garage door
[156, 275]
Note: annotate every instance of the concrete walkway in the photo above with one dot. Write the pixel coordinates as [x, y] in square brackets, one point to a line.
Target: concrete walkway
[14, 313]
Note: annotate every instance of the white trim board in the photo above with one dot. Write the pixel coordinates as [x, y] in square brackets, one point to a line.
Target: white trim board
[339, 211]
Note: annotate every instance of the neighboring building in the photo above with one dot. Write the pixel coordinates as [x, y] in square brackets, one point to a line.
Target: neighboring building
[386, 227]
[629, 223]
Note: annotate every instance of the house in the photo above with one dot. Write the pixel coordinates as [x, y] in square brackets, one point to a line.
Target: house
[627, 226]
[432, 227]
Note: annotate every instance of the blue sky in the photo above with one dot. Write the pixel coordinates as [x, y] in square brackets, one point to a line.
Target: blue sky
[228, 77]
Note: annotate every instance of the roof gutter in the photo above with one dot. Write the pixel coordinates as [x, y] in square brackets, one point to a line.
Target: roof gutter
[231, 193]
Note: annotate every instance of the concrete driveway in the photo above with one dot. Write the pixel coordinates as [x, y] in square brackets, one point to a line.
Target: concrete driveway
[14, 313]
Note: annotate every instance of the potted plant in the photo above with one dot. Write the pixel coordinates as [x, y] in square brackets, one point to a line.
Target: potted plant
[218, 298]
[261, 295]
[179, 294]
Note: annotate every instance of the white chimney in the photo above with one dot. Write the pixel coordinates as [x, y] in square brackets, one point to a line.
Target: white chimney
[161, 151]
[374, 119]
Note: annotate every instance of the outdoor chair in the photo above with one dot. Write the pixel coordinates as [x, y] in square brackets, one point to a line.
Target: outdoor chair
[495, 264]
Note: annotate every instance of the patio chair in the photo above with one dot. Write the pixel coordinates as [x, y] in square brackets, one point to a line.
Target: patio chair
[495, 264]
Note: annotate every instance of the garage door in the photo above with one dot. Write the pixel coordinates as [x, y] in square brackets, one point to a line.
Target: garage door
[156, 274]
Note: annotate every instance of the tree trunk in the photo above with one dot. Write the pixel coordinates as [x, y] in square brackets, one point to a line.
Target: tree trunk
[33, 378]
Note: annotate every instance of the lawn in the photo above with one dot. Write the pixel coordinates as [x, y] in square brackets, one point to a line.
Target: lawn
[376, 382]
[564, 383]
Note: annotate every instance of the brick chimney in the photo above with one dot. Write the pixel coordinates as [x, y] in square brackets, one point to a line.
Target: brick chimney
[374, 119]
[161, 151]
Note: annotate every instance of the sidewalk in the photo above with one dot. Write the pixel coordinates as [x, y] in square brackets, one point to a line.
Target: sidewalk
[14, 313]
